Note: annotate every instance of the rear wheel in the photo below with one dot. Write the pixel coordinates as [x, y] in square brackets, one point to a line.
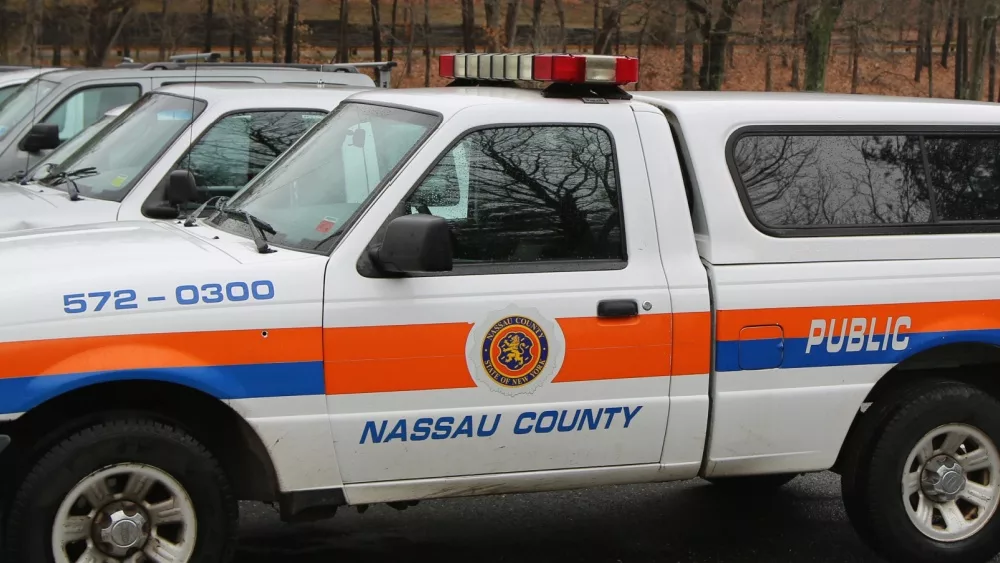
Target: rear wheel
[123, 491]
[930, 488]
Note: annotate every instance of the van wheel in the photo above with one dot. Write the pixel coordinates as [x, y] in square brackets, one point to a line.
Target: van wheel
[750, 484]
[930, 489]
[124, 491]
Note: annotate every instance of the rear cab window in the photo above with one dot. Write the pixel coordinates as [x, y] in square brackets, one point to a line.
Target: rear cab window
[798, 183]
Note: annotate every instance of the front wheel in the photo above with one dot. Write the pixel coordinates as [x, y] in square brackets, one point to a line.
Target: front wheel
[123, 491]
[930, 489]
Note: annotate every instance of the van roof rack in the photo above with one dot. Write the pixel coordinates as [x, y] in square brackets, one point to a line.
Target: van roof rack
[212, 59]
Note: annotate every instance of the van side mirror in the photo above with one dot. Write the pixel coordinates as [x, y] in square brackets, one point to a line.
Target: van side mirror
[413, 244]
[181, 188]
[41, 137]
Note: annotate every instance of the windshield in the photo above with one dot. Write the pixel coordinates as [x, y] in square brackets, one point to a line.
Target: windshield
[67, 149]
[314, 190]
[21, 103]
[130, 144]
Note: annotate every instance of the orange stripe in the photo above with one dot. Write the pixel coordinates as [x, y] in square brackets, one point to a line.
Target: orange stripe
[396, 358]
[146, 351]
[692, 343]
[926, 317]
[602, 349]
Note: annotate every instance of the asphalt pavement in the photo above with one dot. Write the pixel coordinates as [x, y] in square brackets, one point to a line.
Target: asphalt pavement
[689, 522]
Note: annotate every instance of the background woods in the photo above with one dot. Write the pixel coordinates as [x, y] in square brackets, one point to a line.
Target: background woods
[906, 47]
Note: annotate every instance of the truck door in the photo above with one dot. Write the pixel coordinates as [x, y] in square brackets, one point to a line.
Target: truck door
[548, 345]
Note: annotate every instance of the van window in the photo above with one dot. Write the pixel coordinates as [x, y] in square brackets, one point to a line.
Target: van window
[965, 173]
[86, 106]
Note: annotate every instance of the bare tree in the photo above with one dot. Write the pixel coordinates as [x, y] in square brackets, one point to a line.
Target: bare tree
[715, 30]
[468, 26]
[392, 31]
[209, 19]
[492, 25]
[510, 25]
[985, 13]
[249, 30]
[376, 30]
[536, 25]
[820, 21]
[105, 19]
[949, 26]
[561, 14]
[291, 24]
[690, 36]
[343, 45]
[427, 43]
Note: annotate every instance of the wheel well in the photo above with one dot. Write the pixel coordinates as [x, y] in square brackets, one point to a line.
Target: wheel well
[974, 363]
[210, 421]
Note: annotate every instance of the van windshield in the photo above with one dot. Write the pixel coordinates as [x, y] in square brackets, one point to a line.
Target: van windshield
[312, 191]
[65, 150]
[22, 102]
[130, 144]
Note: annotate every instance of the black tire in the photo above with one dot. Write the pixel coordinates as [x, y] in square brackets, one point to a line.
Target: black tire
[33, 508]
[875, 505]
[753, 484]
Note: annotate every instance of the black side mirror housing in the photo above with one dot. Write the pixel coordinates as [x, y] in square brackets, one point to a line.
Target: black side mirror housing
[415, 244]
[181, 188]
[41, 137]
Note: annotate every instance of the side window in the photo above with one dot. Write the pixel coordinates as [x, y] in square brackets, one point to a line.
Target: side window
[965, 173]
[528, 194]
[833, 180]
[8, 91]
[84, 107]
[239, 146]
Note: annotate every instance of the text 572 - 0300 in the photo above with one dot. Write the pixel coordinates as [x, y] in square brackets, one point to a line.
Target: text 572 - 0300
[188, 294]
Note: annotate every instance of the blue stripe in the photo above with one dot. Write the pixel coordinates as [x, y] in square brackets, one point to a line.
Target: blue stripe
[760, 353]
[20, 394]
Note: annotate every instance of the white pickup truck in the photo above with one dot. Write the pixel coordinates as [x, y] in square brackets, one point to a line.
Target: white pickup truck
[526, 290]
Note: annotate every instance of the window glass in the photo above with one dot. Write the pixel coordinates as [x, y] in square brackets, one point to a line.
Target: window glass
[965, 173]
[133, 141]
[85, 107]
[67, 149]
[7, 92]
[525, 194]
[832, 180]
[313, 190]
[22, 103]
[239, 146]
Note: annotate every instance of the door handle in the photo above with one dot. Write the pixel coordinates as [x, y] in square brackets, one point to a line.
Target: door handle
[617, 308]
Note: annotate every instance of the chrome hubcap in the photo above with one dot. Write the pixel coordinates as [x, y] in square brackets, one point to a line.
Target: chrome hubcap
[126, 513]
[951, 482]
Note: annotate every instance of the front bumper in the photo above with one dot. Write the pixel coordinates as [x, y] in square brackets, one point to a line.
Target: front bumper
[4, 441]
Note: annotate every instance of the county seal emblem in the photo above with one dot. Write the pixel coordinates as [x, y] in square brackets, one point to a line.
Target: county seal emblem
[515, 351]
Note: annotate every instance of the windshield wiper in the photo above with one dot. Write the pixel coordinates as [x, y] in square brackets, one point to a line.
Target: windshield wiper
[192, 219]
[70, 178]
[254, 223]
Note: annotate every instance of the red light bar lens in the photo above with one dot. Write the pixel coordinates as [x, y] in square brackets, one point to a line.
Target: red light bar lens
[626, 70]
[446, 64]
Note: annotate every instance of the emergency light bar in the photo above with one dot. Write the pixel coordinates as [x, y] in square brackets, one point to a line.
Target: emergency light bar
[564, 68]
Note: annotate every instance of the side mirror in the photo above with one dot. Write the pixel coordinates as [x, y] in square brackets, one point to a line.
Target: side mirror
[415, 243]
[181, 188]
[41, 137]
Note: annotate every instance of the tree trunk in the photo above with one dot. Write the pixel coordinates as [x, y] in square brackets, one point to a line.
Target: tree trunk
[209, 17]
[392, 31]
[468, 26]
[164, 6]
[597, 25]
[986, 16]
[921, 57]
[408, 26]
[376, 31]
[276, 32]
[610, 16]
[765, 43]
[249, 30]
[427, 43]
[492, 25]
[561, 14]
[714, 46]
[536, 25]
[993, 64]
[855, 55]
[642, 40]
[290, 25]
[58, 36]
[947, 33]
[819, 29]
[690, 35]
[961, 49]
[343, 43]
[800, 18]
[510, 26]
[232, 31]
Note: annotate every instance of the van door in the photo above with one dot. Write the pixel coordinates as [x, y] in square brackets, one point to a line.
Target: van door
[547, 347]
